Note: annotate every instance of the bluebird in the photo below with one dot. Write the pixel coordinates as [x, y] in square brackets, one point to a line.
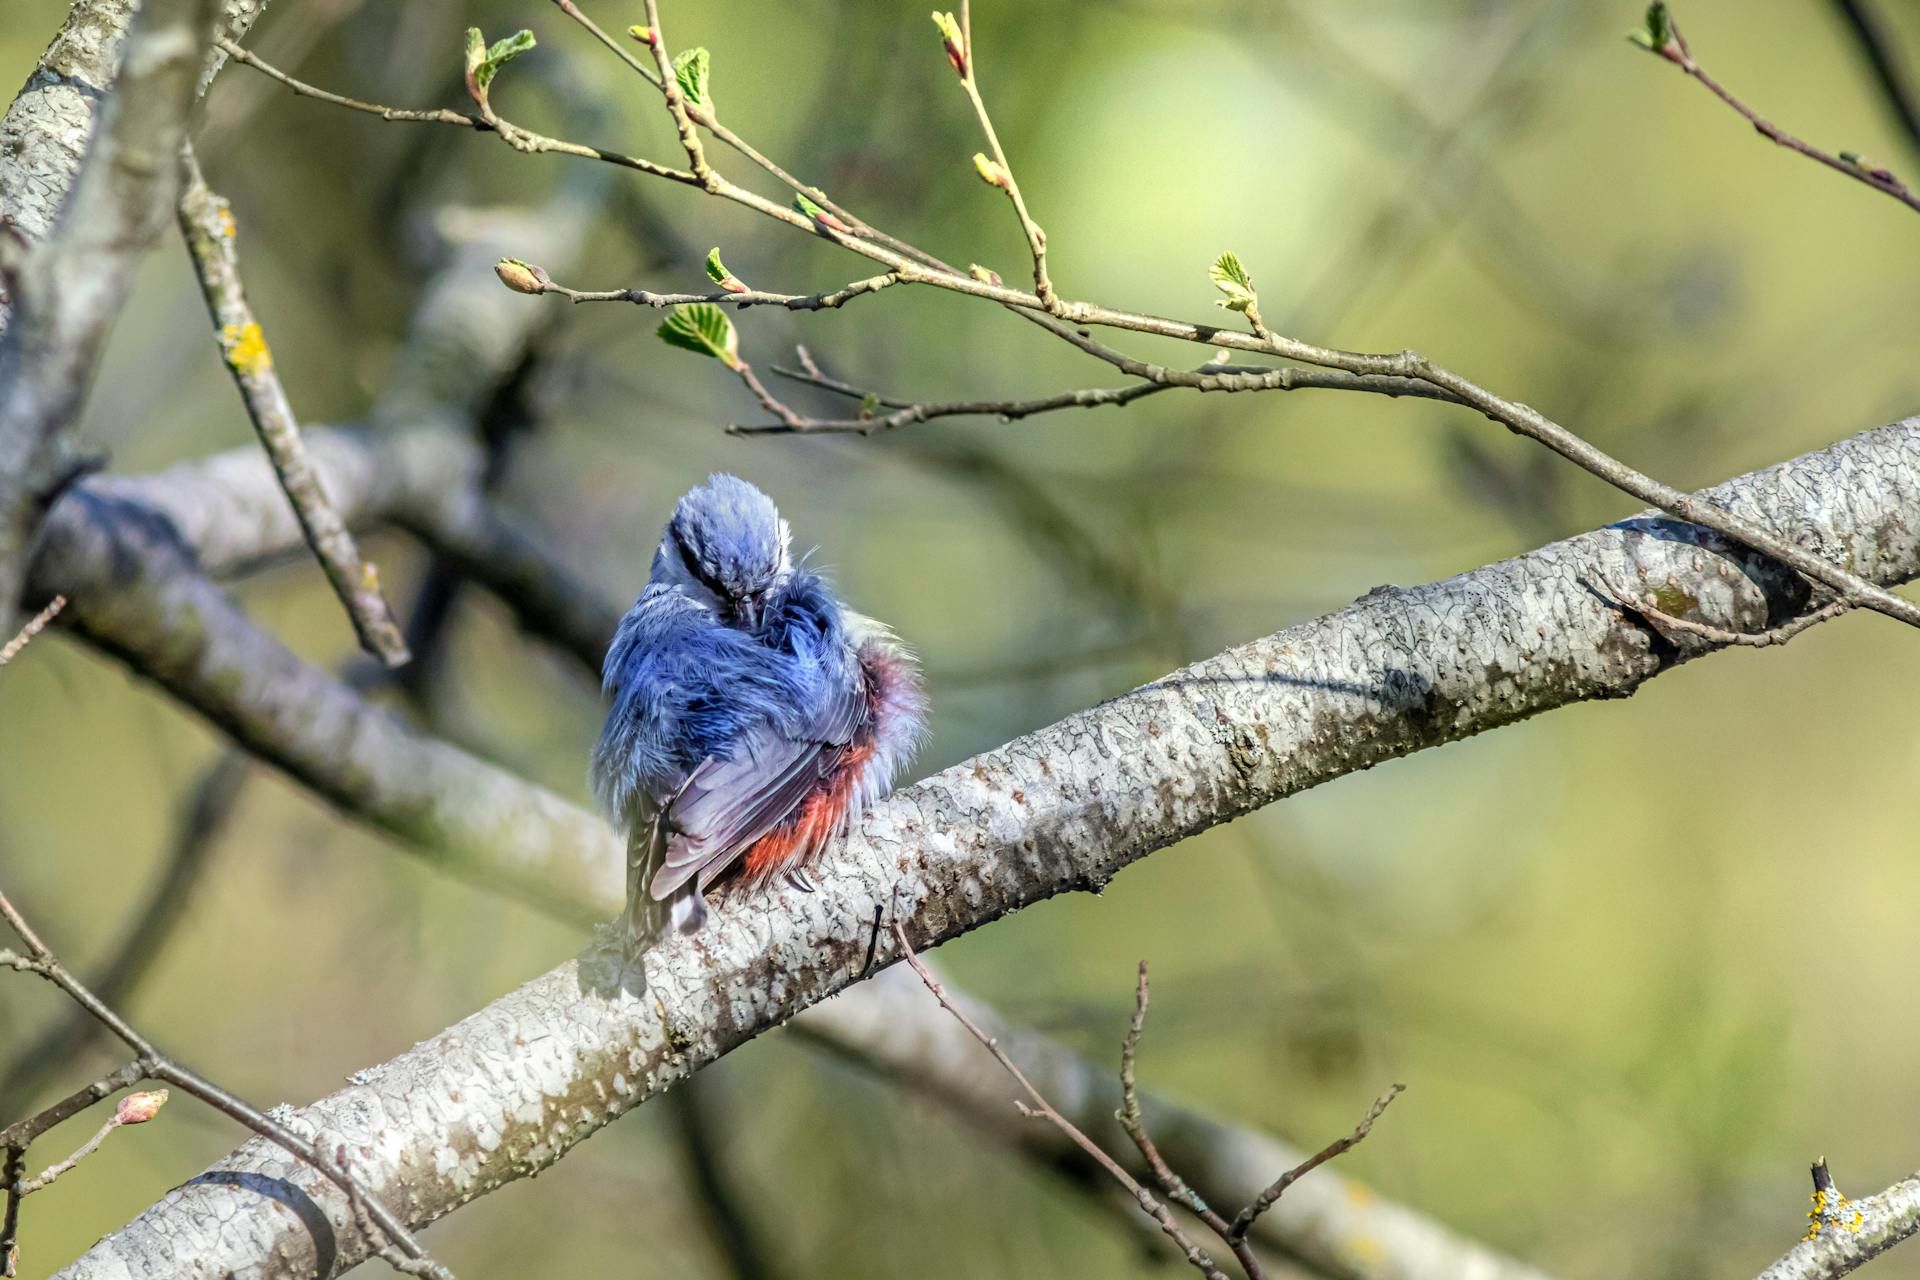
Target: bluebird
[753, 716]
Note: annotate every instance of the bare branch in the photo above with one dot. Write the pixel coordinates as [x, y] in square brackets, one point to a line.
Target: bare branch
[1675, 50]
[826, 300]
[1268, 1198]
[1000, 171]
[206, 220]
[32, 627]
[513, 135]
[158, 1066]
[1335, 1227]
[1041, 1108]
[1846, 1233]
[1666, 622]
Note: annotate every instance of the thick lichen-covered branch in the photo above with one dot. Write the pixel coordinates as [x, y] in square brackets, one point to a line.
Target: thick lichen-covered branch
[67, 290]
[511, 1089]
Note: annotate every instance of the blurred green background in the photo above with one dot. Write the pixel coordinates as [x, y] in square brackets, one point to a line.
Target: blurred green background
[1638, 963]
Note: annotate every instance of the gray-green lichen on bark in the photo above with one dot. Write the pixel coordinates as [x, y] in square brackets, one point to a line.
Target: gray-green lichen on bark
[46, 130]
[510, 1089]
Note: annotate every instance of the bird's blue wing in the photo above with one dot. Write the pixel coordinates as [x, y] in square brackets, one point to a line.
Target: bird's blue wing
[728, 804]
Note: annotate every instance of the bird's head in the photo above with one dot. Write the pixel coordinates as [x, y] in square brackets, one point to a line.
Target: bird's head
[726, 546]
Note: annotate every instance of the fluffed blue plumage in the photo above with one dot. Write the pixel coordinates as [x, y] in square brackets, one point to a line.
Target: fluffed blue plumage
[752, 716]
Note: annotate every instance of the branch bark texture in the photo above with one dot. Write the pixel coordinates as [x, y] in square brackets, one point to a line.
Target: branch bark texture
[46, 130]
[509, 1090]
[67, 291]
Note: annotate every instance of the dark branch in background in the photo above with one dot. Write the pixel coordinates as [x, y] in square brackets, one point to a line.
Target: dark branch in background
[211, 799]
[206, 221]
[393, 1243]
[1663, 37]
[68, 290]
[1888, 69]
[723, 1208]
[1389, 373]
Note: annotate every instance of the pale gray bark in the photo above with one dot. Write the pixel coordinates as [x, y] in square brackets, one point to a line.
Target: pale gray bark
[1840, 1246]
[511, 1089]
[68, 289]
[46, 130]
[1333, 1225]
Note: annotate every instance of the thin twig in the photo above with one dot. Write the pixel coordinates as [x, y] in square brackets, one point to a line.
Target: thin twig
[1135, 1124]
[143, 1107]
[1881, 180]
[677, 100]
[1268, 1198]
[826, 300]
[790, 418]
[910, 411]
[1036, 238]
[1042, 1109]
[520, 139]
[34, 626]
[158, 1066]
[1786, 631]
[206, 221]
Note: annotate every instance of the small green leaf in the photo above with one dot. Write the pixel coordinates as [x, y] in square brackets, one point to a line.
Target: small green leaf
[690, 69]
[869, 405]
[484, 61]
[1230, 278]
[807, 206]
[1659, 28]
[1658, 31]
[716, 269]
[703, 329]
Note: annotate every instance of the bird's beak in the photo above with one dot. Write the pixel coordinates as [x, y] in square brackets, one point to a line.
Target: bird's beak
[748, 608]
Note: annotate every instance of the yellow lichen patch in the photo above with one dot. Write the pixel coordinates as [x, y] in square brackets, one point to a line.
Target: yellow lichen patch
[1832, 1207]
[227, 227]
[246, 349]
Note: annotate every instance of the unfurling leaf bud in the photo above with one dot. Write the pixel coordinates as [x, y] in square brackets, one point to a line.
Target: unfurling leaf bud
[1230, 278]
[954, 40]
[718, 273]
[819, 215]
[1657, 35]
[690, 68]
[643, 34]
[521, 277]
[484, 61]
[138, 1108]
[985, 275]
[992, 172]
